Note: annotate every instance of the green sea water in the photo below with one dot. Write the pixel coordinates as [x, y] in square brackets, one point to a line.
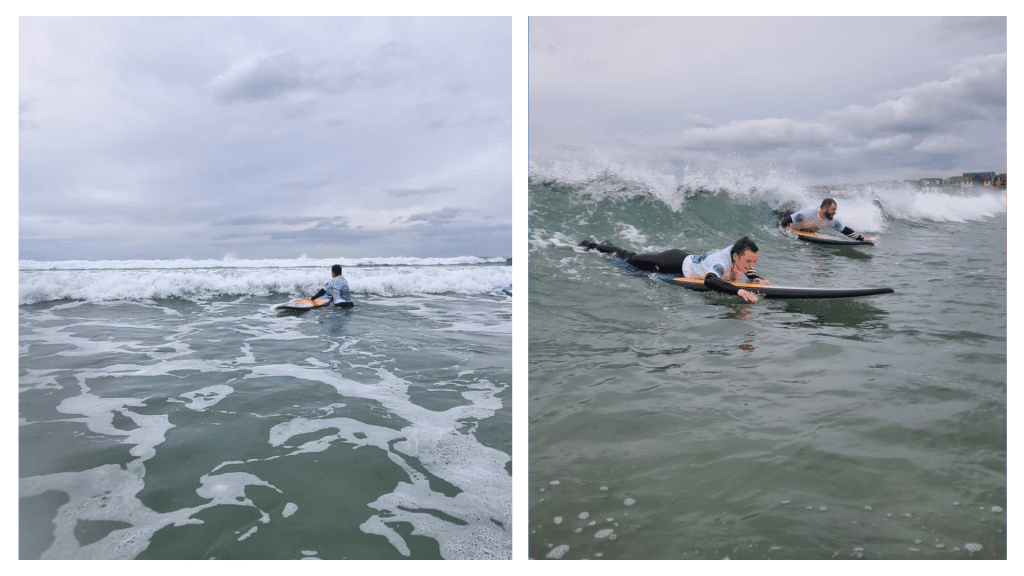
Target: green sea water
[671, 424]
[208, 425]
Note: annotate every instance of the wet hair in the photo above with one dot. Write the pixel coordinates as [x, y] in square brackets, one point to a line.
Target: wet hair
[336, 269]
[827, 202]
[742, 245]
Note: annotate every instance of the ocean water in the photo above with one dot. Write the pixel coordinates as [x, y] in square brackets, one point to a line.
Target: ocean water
[167, 411]
[671, 424]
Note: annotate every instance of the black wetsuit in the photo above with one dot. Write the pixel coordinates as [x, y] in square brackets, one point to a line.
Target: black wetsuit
[667, 262]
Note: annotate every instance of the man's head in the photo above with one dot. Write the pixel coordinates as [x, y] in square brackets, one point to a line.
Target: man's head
[744, 255]
[336, 270]
[828, 208]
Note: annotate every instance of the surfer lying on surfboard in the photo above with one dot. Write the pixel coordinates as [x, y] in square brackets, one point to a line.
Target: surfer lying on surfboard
[716, 267]
[336, 289]
[812, 219]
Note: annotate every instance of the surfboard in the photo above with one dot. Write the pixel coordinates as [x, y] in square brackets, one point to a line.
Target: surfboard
[786, 292]
[828, 239]
[302, 304]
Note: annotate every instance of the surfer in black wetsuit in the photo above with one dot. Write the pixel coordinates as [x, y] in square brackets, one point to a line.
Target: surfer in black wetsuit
[717, 267]
[810, 219]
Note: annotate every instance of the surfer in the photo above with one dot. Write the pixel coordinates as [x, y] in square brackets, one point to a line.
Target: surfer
[336, 289]
[716, 267]
[810, 219]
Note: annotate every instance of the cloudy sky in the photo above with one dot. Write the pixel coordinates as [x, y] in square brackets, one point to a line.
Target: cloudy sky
[833, 100]
[264, 137]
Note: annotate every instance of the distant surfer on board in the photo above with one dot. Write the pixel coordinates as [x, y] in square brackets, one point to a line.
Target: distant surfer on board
[811, 219]
[716, 267]
[336, 289]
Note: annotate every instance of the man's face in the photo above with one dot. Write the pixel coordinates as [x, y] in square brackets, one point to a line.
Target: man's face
[744, 262]
[830, 211]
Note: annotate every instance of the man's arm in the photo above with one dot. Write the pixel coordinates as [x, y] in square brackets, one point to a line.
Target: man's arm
[319, 294]
[849, 232]
[718, 285]
[756, 279]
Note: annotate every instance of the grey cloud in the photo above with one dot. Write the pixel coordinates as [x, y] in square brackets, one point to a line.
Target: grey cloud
[270, 131]
[769, 134]
[259, 77]
[442, 216]
[980, 26]
[406, 192]
[979, 92]
[25, 121]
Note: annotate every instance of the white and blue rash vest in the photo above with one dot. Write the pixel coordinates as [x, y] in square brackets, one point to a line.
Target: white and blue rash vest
[337, 290]
[808, 220]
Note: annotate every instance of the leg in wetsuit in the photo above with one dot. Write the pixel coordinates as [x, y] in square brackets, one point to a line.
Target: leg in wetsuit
[667, 262]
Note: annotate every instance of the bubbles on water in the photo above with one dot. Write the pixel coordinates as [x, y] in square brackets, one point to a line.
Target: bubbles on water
[996, 509]
[584, 515]
[972, 547]
[629, 501]
[603, 533]
[558, 519]
[555, 482]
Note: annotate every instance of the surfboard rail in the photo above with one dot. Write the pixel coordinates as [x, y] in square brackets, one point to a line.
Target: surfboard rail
[303, 304]
[829, 240]
[786, 292]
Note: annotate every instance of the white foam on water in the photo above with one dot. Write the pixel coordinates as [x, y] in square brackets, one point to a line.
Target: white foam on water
[438, 441]
[203, 398]
[629, 501]
[584, 515]
[40, 282]
[604, 533]
[558, 552]
[435, 441]
[972, 547]
[108, 493]
[289, 509]
[558, 519]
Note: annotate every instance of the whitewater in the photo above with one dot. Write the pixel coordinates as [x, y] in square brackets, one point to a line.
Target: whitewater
[168, 411]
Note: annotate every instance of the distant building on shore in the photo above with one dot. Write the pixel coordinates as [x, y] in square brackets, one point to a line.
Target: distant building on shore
[967, 180]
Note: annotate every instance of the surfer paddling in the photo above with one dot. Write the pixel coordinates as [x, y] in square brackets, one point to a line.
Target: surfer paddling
[811, 219]
[717, 267]
[336, 289]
